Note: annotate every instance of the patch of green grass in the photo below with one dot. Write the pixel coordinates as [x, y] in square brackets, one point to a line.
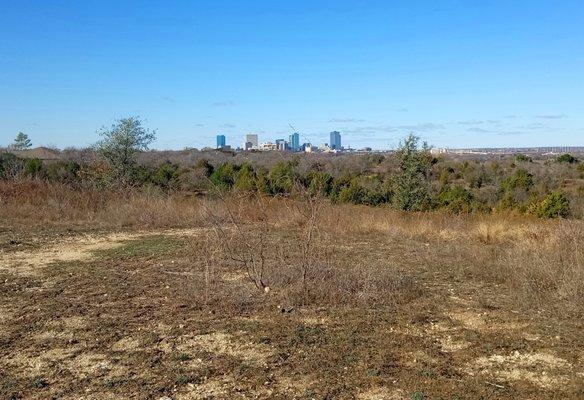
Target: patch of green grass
[7, 383]
[183, 379]
[427, 373]
[309, 335]
[351, 359]
[150, 246]
[183, 357]
[417, 396]
[40, 383]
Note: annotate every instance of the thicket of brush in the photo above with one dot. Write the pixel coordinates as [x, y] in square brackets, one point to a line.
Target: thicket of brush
[313, 251]
[411, 179]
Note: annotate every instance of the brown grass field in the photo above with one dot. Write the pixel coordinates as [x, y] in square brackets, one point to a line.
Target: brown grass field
[141, 295]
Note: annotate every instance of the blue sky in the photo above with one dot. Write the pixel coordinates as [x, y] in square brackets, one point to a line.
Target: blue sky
[457, 73]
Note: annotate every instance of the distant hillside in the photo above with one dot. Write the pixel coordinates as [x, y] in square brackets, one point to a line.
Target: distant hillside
[42, 153]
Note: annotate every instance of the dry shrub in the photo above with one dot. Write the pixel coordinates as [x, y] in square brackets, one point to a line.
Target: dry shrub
[36, 203]
[286, 255]
[548, 274]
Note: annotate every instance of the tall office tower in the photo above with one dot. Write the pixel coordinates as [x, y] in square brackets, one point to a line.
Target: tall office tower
[253, 139]
[220, 141]
[281, 144]
[295, 141]
[335, 142]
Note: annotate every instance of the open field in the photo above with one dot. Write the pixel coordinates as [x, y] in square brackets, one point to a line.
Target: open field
[146, 296]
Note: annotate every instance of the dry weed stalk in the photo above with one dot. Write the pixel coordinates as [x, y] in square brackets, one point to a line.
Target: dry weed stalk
[253, 257]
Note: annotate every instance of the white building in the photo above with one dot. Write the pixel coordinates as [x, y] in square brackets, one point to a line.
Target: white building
[253, 139]
[268, 146]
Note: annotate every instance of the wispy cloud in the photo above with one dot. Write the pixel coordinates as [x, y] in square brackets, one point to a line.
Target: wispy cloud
[168, 99]
[511, 133]
[471, 122]
[423, 127]
[480, 130]
[345, 120]
[225, 103]
[227, 126]
[512, 116]
[370, 129]
[550, 116]
[200, 125]
[533, 126]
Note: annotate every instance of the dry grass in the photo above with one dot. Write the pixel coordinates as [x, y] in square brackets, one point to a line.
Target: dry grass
[382, 305]
[541, 263]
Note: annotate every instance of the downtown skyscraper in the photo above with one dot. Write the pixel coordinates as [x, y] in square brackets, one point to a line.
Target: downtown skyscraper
[335, 142]
[295, 141]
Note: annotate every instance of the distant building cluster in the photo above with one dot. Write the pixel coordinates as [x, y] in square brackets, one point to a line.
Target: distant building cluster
[291, 144]
[509, 150]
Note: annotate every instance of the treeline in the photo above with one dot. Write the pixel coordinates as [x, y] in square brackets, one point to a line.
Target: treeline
[411, 180]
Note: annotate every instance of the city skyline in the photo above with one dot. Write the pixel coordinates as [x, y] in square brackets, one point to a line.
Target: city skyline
[252, 141]
[478, 74]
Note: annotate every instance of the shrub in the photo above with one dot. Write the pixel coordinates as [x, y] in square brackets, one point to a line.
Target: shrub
[523, 158]
[204, 166]
[567, 158]
[353, 193]
[581, 168]
[521, 179]
[63, 171]
[455, 199]
[320, 183]
[282, 177]
[555, 205]
[245, 180]
[224, 176]
[166, 175]
[10, 166]
[33, 166]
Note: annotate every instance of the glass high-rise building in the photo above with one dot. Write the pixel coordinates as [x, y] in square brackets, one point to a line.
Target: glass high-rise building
[335, 142]
[221, 141]
[295, 141]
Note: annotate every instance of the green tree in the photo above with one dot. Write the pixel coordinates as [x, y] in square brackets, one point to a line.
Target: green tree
[567, 158]
[121, 143]
[282, 177]
[353, 193]
[523, 158]
[166, 175]
[33, 166]
[21, 142]
[245, 180]
[555, 205]
[224, 176]
[411, 186]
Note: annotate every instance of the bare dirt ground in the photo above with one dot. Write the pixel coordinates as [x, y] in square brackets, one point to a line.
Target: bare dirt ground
[125, 315]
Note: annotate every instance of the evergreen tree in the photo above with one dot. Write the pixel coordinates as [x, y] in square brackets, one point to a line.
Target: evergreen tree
[410, 183]
[21, 142]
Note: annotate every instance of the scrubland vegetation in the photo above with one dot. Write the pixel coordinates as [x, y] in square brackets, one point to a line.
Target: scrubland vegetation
[411, 179]
[402, 276]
